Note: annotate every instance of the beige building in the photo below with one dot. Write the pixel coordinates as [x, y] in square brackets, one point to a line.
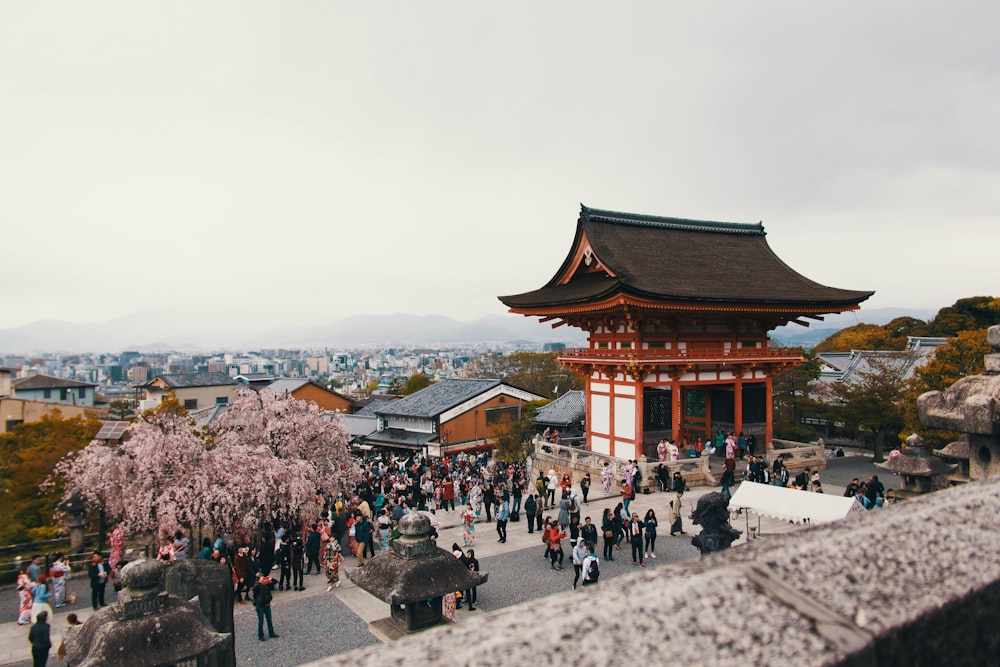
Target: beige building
[194, 390]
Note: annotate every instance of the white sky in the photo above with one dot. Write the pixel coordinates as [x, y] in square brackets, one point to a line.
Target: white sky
[314, 160]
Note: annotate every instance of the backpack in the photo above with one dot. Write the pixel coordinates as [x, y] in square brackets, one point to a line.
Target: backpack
[593, 571]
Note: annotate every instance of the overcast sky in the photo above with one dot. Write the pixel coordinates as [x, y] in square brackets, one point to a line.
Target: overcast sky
[307, 161]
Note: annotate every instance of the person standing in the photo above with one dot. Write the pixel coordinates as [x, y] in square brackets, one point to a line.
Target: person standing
[471, 594]
[363, 534]
[635, 539]
[40, 640]
[468, 526]
[25, 599]
[529, 512]
[585, 486]
[608, 529]
[313, 540]
[676, 507]
[607, 476]
[98, 573]
[298, 554]
[550, 488]
[579, 554]
[503, 514]
[588, 533]
[564, 505]
[591, 571]
[262, 594]
[556, 536]
[649, 524]
[59, 575]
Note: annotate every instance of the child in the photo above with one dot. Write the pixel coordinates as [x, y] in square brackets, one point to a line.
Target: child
[333, 559]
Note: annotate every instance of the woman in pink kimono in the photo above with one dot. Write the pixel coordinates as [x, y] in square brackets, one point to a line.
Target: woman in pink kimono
[24, 596]
[468, 526]
[117, 539]
[607, 476]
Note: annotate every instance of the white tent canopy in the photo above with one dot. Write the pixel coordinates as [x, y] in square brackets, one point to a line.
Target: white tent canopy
[787, 504]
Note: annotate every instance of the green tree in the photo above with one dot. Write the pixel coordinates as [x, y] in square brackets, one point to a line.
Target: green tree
[977, 312]
[511, 435]
[873, 399]
[28, 455]
[962, 356]
[415, 383]
[537, 372]
[861, 337]
[791, 391]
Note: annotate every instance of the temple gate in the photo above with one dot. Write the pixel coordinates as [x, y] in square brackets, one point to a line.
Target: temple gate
[677, 314]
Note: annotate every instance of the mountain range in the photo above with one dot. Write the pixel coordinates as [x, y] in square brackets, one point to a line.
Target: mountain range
[183, 329]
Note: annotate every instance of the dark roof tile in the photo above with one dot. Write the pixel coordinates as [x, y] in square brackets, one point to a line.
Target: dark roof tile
[679, 260]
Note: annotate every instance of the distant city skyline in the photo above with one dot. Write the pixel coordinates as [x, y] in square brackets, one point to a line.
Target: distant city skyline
[298, 164]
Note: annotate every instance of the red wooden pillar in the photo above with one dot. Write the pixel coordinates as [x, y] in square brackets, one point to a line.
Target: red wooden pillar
[768, 412]
[677, 406]
[640, 432]
[738, 405]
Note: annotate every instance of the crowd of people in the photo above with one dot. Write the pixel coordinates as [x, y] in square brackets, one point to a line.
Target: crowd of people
[365, 519]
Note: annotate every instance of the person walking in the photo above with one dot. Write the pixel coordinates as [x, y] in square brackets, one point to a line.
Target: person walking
[676, 507]
[40, 639]
[503, 514]
[585, 487]
[579, 554]
[262, 594]
[468, 526]
[529, 512]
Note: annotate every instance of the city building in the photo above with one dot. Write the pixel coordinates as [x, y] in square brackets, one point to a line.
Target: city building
[448, 416]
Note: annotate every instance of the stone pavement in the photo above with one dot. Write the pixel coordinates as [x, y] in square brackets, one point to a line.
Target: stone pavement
[14, 648]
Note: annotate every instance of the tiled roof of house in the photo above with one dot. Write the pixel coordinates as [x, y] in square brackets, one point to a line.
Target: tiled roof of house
[438, 397]
[566, 409]
[375, 406]
[184, 380]
[678, 261]
[287, 385]
[47, 382]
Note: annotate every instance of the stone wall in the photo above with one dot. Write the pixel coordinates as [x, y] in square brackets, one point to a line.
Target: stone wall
[914, 583]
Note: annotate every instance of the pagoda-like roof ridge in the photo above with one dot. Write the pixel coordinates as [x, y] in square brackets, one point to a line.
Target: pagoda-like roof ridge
[685, 224]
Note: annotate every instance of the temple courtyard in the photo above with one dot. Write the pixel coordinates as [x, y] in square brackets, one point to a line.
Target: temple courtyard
[313, 624]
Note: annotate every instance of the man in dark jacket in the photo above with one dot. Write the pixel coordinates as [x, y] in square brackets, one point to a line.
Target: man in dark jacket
[262, 604]
[312, 549]
[529, 512]
[38, 636]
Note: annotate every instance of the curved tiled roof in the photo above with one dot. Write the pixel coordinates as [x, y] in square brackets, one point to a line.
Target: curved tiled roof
[47, 382]
[679, 260]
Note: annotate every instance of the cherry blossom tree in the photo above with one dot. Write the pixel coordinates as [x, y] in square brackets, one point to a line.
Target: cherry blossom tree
[264, 456]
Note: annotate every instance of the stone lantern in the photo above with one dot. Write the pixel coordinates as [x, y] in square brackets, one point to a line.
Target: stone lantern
[972, 406]
[76, 519]
[148, 627]
[413, 577]
[919, 472]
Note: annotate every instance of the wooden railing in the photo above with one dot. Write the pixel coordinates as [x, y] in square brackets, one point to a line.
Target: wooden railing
[681, 355]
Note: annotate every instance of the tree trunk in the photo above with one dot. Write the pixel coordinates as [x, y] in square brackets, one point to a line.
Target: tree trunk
[879, 445]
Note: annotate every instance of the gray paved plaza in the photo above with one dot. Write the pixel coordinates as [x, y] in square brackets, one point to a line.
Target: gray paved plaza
[313, 623]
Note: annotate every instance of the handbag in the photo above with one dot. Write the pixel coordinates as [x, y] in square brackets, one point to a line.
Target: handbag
[608, 533]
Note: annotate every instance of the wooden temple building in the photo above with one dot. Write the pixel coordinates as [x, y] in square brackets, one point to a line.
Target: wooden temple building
[677, 314]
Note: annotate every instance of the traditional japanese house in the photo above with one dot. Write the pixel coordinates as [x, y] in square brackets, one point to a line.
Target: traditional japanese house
[677, 314]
